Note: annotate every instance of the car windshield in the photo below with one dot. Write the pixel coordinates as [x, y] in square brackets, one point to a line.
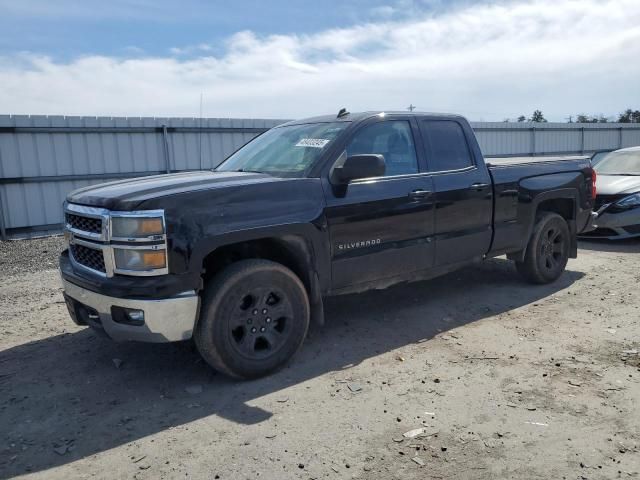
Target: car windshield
[287, 151]
[597, 157]
[620, 163]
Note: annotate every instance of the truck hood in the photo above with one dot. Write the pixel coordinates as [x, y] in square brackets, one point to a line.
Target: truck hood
[617, 184]
[127, 194]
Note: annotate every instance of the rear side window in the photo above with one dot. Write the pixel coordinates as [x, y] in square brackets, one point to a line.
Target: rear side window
[446, 144]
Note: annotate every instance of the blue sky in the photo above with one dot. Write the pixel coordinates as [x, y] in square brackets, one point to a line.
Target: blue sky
[64, 29]
[489, 60]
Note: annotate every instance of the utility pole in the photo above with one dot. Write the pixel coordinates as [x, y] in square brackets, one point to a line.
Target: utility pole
[411, 107]
[200, 134]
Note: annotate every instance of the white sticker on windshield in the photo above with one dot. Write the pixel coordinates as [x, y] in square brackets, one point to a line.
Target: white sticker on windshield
[312, 142]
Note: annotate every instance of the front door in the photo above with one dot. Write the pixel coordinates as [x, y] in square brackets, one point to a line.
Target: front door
[382, 227]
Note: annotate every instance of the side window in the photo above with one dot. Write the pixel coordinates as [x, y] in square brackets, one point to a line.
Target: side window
[447, 144]
[392, 139]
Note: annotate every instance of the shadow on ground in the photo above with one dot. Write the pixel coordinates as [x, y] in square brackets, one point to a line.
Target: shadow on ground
[65, 391]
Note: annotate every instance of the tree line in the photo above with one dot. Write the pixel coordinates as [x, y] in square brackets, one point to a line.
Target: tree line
[628, 116]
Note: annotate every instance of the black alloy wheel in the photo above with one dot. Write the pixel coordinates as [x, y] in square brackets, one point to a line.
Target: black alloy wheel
[261, 322]
[254, 318]
[547, 252]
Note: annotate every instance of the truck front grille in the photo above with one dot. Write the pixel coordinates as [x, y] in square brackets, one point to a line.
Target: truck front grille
[86, 224]
[89, 257]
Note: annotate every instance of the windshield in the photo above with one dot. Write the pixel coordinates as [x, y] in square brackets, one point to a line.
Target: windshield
[284, 151]
[620, 163]
[597, 157]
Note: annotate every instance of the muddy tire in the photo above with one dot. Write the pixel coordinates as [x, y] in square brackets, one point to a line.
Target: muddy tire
[547, 250]
[254, 318]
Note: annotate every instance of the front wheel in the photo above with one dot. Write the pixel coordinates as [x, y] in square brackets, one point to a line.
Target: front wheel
[547, 251]
[254, 317]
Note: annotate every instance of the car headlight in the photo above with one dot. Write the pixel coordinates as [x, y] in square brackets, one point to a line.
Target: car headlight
[632, 200]
[140, 259]
[137, 227]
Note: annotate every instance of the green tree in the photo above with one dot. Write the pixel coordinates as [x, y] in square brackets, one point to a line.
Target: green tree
[582, 118]
[522, 118]
[538, 117]
[629, 116]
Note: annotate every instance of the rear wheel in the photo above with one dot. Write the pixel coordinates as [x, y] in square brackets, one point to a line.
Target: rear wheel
[547, 250]
[254, 317]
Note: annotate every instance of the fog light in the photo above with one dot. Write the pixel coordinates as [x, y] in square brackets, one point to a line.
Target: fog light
[127, 316]
[135, 316]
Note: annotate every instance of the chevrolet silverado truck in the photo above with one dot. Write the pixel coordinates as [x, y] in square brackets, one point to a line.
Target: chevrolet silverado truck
[241, 257]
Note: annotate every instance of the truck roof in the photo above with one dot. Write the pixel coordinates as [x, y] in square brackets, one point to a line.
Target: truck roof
[357, 116]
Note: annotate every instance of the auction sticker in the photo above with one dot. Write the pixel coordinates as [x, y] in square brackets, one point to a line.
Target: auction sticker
[312, 142]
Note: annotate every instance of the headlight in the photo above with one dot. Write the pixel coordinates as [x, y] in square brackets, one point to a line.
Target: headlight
[632, 200]
[140, 259]
[136, 227]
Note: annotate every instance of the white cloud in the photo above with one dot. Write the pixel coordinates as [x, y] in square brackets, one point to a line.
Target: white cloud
[485, 61]
[383, 11]
[191, 49]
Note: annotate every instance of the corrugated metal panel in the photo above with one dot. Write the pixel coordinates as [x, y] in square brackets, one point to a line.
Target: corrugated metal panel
[496, 142]
[500, 138]
[76, 147]
[55, 146]
[558, 140]
[630, 137]
[601, 139]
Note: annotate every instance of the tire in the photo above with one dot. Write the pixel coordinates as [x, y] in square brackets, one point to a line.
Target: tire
[254, 318]
[547, 251]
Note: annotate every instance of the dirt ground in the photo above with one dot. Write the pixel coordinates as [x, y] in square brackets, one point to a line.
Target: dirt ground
[504, 379]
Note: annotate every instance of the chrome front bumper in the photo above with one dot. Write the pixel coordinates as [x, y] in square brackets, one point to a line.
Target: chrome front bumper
[165, 320]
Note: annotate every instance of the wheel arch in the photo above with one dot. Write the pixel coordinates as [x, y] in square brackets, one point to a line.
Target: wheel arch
[294, 251]
[564, 202]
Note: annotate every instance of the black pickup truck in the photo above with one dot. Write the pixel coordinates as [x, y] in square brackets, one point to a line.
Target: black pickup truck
[240, 258]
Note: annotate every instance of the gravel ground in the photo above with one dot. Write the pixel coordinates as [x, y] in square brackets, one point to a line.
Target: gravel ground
[27, 256]
[503, 379]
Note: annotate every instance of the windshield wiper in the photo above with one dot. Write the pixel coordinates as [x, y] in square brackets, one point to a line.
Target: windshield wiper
[245, 170]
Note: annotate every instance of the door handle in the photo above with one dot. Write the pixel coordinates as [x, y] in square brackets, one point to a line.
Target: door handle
[419, 194]
[479, 185]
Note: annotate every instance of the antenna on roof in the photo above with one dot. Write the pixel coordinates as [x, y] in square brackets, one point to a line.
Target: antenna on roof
[342, 113]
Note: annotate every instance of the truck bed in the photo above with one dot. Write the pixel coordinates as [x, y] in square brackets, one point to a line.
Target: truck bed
[508, 161]
[518, 180]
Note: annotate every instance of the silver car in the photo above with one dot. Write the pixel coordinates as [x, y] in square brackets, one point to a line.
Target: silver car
[598, 156]
[618, 195]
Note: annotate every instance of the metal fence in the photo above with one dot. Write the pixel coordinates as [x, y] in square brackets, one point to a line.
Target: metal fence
[499, 139]
[42, 158]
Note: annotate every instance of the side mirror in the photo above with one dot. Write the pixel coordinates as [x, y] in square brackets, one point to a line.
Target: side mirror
[358, 166]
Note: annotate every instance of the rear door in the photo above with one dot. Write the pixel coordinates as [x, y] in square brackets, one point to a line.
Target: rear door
[382, 227]
[463, 192]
